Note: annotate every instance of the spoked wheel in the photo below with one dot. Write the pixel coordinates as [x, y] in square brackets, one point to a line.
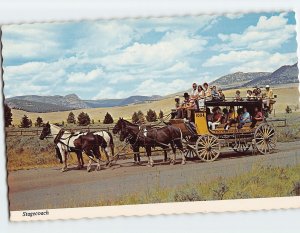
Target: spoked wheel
[208, 148]
[241, 147]
[265, 138]
[190, 153]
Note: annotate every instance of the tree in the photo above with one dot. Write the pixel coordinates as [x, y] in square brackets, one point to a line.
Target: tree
[25, 122]
[151, 116]
[7, 115]
[288, 109]
[39, 122]
[71, 118]
[141, 116]
[161, 115]
[108, 119]
[135, 117]
[83, 119]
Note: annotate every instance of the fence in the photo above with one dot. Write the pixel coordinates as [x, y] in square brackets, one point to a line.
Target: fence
[37, 132]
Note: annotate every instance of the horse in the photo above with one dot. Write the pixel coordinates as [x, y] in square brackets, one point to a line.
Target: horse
[90, 143]
[148, 138]
[64, 141]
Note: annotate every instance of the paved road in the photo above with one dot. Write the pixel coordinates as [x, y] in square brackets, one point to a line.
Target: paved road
[49, 188]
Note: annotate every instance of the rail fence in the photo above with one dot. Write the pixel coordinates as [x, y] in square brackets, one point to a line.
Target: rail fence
[37, 132]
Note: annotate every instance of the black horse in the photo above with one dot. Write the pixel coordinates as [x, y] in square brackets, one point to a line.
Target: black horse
[148, 138]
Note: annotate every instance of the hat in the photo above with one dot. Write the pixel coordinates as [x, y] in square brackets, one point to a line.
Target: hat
[177, 97]
[186, 94]
[220, 89]
[267, 86]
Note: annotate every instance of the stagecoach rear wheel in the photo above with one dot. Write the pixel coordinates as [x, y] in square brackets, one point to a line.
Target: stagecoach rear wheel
[265, 138]
[241, 147]
[208, 148]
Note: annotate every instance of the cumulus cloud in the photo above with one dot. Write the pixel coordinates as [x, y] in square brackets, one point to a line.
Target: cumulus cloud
[268, 34]
[81, 77]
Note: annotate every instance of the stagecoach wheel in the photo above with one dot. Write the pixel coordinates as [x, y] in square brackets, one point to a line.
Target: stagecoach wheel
[190, 153]
[208, 148]
[241, 147]
[265, 138]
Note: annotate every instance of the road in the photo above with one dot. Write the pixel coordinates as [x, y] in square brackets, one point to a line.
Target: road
[49, 188]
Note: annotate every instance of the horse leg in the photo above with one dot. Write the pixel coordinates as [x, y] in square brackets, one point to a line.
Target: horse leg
[107, 156]
[173, 159]
[180, 147]
[65, 157]
[89, 154]
[150, 160]
[165, 156]
[96, 152]
[80, 160]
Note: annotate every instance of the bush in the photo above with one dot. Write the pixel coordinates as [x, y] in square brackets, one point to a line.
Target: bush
[108, 119]
[141, 116]
[25, 122]
[135, 117]
[288, 109]
[151, 116]
[220, 191]
[187, 195]
[84, 119]
[39, 122]
[161, 115]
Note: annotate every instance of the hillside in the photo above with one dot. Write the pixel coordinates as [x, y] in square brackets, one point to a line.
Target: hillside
[237, 79]
[35, 103]
[283, 75]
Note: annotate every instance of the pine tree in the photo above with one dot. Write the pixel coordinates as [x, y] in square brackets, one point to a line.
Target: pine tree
[135, 117]
[25, 122]
[7, 115]
[141, 116]
[71, 118]
[161, 115]
[39, 122]
[108, 119]
[83, 119]
[151, 116]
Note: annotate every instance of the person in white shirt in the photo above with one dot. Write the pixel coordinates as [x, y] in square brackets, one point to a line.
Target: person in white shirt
[194, 95]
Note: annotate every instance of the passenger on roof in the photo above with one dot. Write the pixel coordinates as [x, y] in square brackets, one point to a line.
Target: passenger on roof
[268, 98]
[238, 96]
[221, 95]
[214, 93]
[201, 97]
[188, 106]
[177, 112]
[207, 91]
[194, 95]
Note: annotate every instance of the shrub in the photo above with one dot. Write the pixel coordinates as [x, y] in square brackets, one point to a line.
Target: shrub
[84, 119]
[151, 116]
[39, 122]
[288, 109]
[220, 191]
[135, 117]
[71, 118]
[187, 195]
[25, 122]
[161, 115]
[141, 116]
[108, 119]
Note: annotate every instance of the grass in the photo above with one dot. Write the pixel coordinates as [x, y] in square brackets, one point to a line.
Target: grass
[260, 182]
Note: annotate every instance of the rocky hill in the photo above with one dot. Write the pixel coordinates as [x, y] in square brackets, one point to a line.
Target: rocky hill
[237, 79]
[283, 75]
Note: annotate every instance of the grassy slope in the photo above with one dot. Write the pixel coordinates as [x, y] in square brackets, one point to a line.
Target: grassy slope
[287, 95]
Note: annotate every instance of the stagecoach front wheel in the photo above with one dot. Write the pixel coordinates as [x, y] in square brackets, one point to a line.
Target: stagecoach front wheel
[265, 138]
[241, 147]
[208, 148]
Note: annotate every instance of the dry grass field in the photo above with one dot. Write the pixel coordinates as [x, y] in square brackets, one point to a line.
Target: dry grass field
[287, 95]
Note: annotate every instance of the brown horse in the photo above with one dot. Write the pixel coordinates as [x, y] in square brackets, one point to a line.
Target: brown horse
[90, 143]
[150, 138]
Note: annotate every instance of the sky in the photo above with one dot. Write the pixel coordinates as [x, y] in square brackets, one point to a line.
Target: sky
[142, 56]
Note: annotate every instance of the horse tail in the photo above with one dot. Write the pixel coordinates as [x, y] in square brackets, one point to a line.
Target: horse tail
[111, 144]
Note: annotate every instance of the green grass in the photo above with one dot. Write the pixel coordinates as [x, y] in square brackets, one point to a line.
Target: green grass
[260, 182]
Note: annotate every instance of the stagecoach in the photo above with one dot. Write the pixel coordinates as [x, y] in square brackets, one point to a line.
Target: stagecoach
[206, 143]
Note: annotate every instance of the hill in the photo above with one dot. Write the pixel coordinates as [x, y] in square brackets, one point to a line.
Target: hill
[35, 103]
[237, 79]
[283, 75]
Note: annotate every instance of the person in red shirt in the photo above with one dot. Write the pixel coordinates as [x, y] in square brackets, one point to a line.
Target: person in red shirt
[257, 116]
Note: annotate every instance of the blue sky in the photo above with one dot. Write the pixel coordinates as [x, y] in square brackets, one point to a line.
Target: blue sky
[147, 56]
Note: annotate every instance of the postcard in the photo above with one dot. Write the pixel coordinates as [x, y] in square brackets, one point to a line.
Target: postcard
[142, 116]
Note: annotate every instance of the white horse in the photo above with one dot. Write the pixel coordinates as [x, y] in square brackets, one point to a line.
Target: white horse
[64, 141]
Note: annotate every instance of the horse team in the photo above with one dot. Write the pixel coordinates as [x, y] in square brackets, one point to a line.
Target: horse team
[91, 142]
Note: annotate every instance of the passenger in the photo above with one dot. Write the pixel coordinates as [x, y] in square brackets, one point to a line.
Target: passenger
[230, 118]
[194, 95]
[225, 116]
[244, 118]
[201, 97]
[217, 117]
[188, 106]
[214, 93]
[221, 95]
[238, 96]
[249, 95]
[268, 98]
[209, 117]
[258, 93]
[258, 116]
[207, 92]
[177, 112]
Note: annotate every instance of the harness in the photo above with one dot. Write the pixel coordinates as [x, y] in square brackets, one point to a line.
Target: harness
[59, 138]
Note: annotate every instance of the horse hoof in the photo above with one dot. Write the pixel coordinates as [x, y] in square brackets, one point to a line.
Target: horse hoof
[64, 169]
[172, 162]
[183, 162]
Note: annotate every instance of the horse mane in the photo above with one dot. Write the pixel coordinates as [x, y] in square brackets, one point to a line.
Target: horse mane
[130, 123]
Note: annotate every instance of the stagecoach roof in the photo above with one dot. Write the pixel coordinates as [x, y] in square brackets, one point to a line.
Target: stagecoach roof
[234, 103]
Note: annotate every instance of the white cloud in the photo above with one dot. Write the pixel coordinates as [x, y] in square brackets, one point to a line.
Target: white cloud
[81, 77]
[234, 15]
[250, 61]
[267, 34]
[109, 92]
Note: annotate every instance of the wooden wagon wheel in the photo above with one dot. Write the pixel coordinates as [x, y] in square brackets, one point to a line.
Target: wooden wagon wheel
[241, 147]
[208, 148]
[265, 138]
